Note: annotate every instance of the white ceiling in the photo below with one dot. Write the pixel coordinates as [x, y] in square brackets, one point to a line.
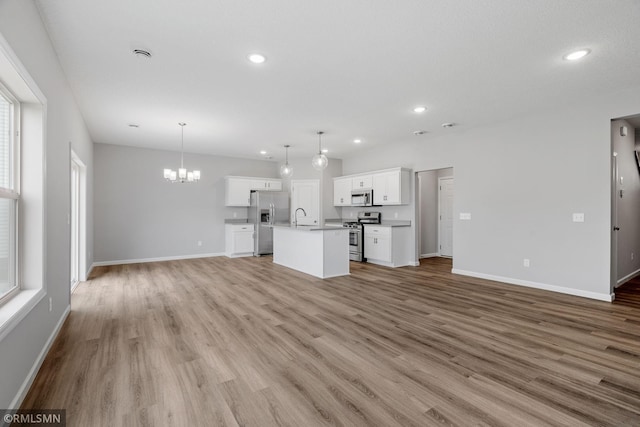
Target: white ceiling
[354, 69]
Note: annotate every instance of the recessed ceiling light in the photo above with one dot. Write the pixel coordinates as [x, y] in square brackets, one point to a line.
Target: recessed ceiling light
[256, 58]
[419, 109]
[324, 150]
[419, 132]
[133, 125]
[263, 152]
[574, 56]
[448, 125]
[141, 53]
[357, 141]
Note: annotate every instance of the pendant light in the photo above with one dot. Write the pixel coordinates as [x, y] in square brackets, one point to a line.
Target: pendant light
[182, 175]
[286, 170]
[319, 161]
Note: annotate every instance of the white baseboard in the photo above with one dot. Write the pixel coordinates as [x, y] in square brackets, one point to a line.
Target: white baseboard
[628, 277]
[26, 385]
[165, 258]
[390, 264]
[536, 285]
[435, 254]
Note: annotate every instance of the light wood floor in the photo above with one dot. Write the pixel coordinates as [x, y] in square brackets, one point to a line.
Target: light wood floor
[223, 341]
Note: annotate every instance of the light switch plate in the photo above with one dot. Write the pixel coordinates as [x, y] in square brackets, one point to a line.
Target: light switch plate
[578, 217]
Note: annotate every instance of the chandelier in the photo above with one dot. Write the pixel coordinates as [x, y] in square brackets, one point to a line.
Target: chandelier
[182, 175]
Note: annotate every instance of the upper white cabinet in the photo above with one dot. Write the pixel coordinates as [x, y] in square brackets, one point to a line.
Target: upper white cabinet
[267, 184]
[342, 191]
[237, 189]
[360, 182]
[390, 187]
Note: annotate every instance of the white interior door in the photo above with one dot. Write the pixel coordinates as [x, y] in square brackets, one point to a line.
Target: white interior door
[445, 229]
[305, 194]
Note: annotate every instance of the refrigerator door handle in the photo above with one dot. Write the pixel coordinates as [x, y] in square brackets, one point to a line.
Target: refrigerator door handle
[272, 213]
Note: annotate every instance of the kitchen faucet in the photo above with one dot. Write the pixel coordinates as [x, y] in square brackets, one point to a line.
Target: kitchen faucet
[295, 216]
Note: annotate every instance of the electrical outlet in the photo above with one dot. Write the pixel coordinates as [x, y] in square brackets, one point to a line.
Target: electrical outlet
[50, 304]
[235, 214]
[632, 255]
[526, 262]
[578, 217]
[199, 242]
[351, 214]
[395, 215]
[465, 216]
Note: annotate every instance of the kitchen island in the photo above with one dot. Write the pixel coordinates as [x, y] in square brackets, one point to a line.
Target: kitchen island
[319, 251]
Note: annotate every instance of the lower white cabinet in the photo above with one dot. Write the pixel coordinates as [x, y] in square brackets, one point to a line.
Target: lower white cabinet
[388, 246]
[377, 243]
[238, 240]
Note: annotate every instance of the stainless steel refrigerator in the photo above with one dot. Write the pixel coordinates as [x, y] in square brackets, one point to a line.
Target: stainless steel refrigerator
[266, 209]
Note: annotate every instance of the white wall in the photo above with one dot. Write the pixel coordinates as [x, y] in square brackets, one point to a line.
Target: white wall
[629, 205]
[21, 26]
[521, 180]
[138, 215]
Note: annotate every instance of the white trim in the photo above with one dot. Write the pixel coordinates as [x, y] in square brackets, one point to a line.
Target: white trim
[440, 179]
[536, 285]
[435, 254]
[392, 265]
[628, 277]
[158, 259]
[26, 385]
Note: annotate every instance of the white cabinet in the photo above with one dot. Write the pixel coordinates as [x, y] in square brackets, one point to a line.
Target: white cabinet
[342, 191]
[388, 246]
[360, 182]
[237, 189]
[238, 240]
[377, 243]
[267, 184]
[391, 188]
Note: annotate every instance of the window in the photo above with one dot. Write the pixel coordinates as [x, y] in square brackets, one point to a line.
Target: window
[9, 195]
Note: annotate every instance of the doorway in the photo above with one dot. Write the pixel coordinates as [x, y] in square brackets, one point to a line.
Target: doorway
[434, 213]
[625, 200]
[77, 222]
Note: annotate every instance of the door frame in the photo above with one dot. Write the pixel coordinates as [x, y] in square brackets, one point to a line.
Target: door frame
[440, 216]
[82, 217]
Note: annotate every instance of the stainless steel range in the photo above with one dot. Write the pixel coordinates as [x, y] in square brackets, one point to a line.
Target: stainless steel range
[356, 233]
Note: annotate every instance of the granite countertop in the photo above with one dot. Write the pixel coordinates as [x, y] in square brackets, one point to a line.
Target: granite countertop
[396, 223]
[236, 221]
[306, 227]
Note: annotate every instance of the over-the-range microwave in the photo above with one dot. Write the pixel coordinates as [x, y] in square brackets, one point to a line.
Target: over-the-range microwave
[362, 197]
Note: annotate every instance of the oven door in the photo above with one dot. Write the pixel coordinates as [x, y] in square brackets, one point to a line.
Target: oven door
[355, 244]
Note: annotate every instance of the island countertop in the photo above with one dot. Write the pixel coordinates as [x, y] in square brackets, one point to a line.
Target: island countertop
[307, 227]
